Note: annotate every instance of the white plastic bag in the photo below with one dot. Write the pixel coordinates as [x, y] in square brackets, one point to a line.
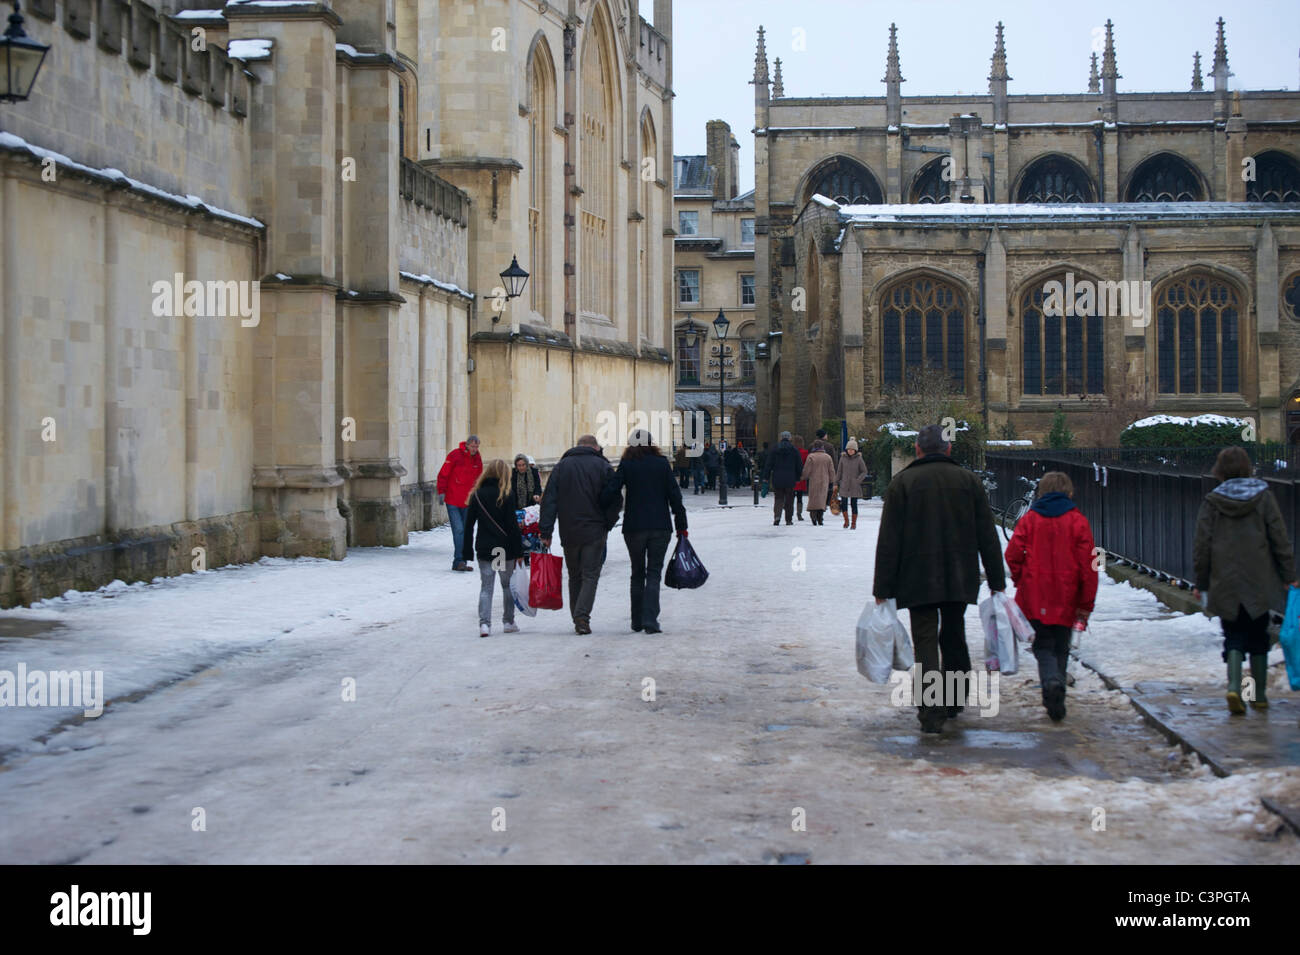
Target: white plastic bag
[1000, 651]
[519, 591]
[1019, 622]
[882, 641]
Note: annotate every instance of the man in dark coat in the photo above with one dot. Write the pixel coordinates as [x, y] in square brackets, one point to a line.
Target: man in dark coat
[573, 493]
[936, 529]
[782, 468]
[712, 463]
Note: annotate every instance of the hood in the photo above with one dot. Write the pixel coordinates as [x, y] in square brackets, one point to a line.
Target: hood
[1237, 496]
[1053, 505]
[466, 450]
[936, 458]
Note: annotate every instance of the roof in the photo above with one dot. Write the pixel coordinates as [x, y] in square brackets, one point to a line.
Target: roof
[692, 173]
[699, 400]
[966, 213]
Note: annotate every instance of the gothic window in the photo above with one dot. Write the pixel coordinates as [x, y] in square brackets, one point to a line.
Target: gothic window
[599, 131]
[930, 185]
[1291, 296]
[688, 360]
[1062, 354]
[1277, 179]
[541, 122]
[647, 230]
[923, 325]
[1198, 334]
[1165, 178]
[748, 351]
[1055, 179]
[846, 182]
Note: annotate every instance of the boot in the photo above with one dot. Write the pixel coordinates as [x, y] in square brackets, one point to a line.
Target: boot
[1235, 706]
[798, 508]
[854, 525]
[1259, 671]
[846, 517]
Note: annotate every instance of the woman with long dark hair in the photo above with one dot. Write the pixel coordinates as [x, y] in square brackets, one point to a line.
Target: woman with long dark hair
[647, 522]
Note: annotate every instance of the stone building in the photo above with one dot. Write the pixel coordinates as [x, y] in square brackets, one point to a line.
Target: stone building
[714, 267]
[901, 233]
[248, 258]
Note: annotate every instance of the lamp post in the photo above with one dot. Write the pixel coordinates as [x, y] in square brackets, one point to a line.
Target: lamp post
[20, 60]
[513, 280]
[720, 326]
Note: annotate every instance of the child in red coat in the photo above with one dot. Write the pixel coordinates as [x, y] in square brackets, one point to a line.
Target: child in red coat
[1052, 564]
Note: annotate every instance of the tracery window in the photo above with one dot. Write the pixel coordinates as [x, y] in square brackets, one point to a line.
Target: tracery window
[1198, 335]
[1061, 354]
[923, 325]
[1277, 179]
[930, 186]
[1055, 179]
[541, 121]
[846, 182]
[1291, 296]
[597, 167]
[1165, 178]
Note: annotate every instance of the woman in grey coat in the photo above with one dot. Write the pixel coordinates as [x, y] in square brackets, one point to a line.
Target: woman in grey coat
[849, 475]
[1242, 561]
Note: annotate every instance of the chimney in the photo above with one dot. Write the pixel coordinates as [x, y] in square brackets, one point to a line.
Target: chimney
[720, 158]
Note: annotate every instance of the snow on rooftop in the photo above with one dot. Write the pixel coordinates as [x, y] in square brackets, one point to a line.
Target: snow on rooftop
[249, 49]
[430, 280]
[828, 203]
[198, 15]
[10, 141]
[890, 212]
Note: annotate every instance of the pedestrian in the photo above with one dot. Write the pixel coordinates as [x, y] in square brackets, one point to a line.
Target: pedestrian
[746, 464]
[823, 441]
[682, 465]
[802, 487]
[760, 463]
[1051, 560]
[712, 464]
[731, 464]
[781, 469]
[935, 531]
[647, 524]
[573, 496]
[849, 475]
[1242, 560]
[697, 467]
[499, 545]
[456, 478]
[819, 472]
[525, 483]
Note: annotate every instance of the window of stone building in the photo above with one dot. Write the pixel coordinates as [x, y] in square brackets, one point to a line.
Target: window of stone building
[1054, 179]
[1277, 179]
[1198, 329]
[930, 186]
[1062, 355]
[847, 182]
[747, 294]
[688, 223]
[541, 123]
[746, 231]
[688, 286]
[1165, 178]
[748, 352]
[923, 325]
[688, 361]
[1291, 296]
[597, 168]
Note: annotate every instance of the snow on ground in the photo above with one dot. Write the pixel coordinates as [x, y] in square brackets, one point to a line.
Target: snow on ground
[759, 710]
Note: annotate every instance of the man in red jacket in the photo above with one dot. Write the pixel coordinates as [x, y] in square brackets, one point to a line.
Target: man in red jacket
[1052, 563]
[455, 480]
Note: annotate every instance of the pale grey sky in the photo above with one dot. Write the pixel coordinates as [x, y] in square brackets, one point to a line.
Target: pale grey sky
[945, 46]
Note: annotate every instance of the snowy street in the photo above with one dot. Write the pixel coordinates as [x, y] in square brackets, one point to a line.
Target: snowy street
[229, 736]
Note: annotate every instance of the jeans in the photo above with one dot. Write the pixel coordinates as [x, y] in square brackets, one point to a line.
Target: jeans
[457, 517]
[1052, 650]
[485, 575]
[646, 549]
[699, 478]
[845, 503]
[783, 499]
[584, 563]
[940, 646]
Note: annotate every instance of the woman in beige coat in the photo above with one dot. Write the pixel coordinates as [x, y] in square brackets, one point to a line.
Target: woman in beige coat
[850, 474]
[819, 472]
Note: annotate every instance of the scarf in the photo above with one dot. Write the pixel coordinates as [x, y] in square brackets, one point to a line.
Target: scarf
[525, 488]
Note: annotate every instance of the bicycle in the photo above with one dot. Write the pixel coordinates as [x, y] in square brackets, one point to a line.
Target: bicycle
[1018, 507]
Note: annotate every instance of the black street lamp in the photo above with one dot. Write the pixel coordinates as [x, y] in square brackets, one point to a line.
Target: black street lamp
[513, 279]
[20, 60]
[720, 326]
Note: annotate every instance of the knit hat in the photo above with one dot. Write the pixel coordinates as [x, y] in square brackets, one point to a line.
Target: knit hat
[852, 445]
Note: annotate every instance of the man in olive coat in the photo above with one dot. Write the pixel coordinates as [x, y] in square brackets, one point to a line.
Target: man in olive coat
[936, 529]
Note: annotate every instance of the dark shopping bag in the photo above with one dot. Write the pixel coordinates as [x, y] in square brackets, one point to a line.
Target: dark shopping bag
[544, 590]
[685, 572]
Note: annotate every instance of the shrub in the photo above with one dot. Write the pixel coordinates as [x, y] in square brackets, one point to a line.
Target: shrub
[1060, 436]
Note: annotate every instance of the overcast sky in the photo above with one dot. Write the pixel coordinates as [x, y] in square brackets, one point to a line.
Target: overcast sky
[945, 46]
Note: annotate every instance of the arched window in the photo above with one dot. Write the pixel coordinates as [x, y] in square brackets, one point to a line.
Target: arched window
[647, 258]
[1291, 296]
[596, 169]
[923, 325]
[930, 186]
[846, 182]
[1277, 179]
[1062, 353]
[1055, 179]
[541, 122]
[1198, 335]
[1165, 178]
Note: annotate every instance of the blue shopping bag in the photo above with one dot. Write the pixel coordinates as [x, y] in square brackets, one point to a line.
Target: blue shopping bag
[1290, 637]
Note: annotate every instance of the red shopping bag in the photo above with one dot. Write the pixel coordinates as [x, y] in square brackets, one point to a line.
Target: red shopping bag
[544, 590]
